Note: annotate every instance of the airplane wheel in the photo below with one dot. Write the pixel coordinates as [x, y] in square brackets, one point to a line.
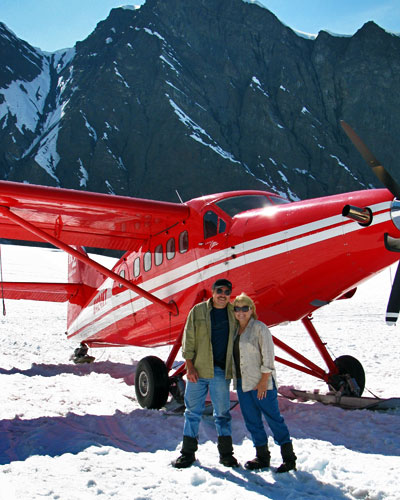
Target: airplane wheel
[151, 383]
[351, 366]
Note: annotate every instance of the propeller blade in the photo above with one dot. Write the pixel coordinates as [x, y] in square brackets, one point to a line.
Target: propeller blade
[380, 171]
[393, 308]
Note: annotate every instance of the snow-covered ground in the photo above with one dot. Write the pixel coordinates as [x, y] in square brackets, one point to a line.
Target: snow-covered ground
[76, 432]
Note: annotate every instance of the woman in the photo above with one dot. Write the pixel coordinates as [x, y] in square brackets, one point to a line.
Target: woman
[253, 354]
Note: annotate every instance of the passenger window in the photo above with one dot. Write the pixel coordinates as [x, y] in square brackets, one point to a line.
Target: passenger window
[183, 242]
[122, 274]
[158, 255]
[147, 261]
[136, 267]
[222, 226]
[210, 224]
[171, 248]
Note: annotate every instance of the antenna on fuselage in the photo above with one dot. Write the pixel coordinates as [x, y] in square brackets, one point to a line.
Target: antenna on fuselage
[179, 196]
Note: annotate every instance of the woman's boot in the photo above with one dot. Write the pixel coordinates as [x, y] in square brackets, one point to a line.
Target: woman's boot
[289, 458]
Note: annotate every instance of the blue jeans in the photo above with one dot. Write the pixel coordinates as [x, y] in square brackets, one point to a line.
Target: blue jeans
[252, 411]
[195, 398]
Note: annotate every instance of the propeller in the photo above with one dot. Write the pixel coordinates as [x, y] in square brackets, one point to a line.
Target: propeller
[380, 171]
[393, 307]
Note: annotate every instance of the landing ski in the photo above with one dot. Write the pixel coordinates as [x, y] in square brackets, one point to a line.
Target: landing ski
[348, 402]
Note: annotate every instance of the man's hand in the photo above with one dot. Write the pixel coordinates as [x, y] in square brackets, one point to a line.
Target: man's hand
[191, 372]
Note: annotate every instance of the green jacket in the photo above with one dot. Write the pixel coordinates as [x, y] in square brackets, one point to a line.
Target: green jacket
[196, 341]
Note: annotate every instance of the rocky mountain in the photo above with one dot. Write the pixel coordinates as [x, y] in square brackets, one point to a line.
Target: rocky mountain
[199, 96]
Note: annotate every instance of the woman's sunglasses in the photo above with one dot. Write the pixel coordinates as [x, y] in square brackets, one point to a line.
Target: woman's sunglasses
[244, 309]
[220, 291]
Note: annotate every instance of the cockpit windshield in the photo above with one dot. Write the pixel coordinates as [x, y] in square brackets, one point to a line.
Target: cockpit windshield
[237, 204]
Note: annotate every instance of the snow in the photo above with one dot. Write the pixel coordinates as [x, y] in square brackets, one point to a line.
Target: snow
[258, 85]
[116, 70]
[47, 156]
[154, 33]
[165, 60]
[70, 432]
[130, 7]
[26, 100]
[84, 174]
[341, 164]
[199, 134]
[92, 131]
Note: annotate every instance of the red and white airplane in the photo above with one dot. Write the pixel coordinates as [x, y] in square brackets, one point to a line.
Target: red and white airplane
[291, 257]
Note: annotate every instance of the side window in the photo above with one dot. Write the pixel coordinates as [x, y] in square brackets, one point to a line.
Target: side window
[171, 248]
[222, 226]
[136, 267]
[122, 274]
[147, 261]
[158, 255]
[183, 242]
[210, 222]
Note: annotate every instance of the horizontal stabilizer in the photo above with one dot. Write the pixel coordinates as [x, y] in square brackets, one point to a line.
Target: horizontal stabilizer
[48, 292]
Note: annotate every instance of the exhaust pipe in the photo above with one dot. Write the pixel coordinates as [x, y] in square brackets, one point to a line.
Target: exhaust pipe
[362, 215]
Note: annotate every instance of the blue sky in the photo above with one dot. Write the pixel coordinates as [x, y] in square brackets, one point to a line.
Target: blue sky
[57, 24]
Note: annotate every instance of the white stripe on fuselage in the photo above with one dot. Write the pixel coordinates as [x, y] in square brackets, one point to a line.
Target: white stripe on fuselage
[116, 308]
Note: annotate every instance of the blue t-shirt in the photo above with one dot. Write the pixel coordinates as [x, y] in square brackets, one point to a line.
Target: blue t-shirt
[219, 335]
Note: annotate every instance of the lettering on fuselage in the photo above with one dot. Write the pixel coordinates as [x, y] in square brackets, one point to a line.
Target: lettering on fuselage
[100, 301]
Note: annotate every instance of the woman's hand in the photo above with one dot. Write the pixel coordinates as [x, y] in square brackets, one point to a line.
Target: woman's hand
[262, 386]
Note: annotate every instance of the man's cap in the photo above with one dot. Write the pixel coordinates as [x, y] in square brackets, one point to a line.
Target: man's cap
[222, 282]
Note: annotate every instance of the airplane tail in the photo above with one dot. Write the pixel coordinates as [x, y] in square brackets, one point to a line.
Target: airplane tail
[87, 278]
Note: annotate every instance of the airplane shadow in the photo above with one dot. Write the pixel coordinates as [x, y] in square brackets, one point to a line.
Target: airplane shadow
[134, 432]
[115, 370]
[365, 431]
[54, 436]
[362, 431]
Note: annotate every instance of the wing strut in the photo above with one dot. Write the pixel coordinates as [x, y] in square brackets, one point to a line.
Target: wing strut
[171, 306]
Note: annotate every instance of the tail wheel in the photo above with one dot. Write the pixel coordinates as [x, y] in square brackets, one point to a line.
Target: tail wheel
[350, 370]
[151, 383]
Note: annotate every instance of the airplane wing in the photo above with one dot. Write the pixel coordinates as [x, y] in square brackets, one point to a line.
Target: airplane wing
[48, 292]
[84, 218]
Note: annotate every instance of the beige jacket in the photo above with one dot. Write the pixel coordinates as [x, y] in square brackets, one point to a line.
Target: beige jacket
[256, 355]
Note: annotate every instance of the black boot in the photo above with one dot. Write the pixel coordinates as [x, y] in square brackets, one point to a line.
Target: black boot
[187, 456]
[262, 459]
[289, 458]
[225, 449]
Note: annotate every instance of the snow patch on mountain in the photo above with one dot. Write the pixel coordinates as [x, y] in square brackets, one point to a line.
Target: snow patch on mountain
[26, 100]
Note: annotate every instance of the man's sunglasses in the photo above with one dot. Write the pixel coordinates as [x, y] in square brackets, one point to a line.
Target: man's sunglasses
[244, 309]
[220, 291]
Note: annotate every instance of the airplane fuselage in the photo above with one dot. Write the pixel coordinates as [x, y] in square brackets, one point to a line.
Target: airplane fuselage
[292, 258]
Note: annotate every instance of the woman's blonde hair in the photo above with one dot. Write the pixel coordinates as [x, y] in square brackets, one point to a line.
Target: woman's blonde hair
[246, 300]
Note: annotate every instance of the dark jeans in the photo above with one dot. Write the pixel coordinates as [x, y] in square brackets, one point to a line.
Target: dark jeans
[253, 409]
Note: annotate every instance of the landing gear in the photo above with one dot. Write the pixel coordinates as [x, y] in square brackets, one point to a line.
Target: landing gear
[81, 355]
[350, 381]
[177, 388]
[345, 375]
[151, 382]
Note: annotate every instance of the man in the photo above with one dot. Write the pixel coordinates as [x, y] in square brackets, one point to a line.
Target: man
[207, 347]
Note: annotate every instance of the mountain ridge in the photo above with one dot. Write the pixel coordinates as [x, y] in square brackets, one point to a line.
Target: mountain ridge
[198, 96]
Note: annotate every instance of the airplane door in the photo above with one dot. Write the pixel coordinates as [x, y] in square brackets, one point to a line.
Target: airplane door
[121, 296]
[213, 247]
